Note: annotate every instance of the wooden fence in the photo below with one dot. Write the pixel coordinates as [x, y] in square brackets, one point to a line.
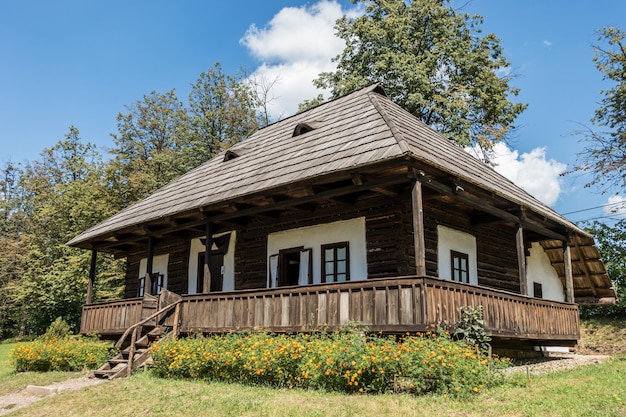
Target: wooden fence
[391, 305]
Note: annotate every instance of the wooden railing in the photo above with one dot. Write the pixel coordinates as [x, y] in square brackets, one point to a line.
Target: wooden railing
[112, 317]
[405, 304]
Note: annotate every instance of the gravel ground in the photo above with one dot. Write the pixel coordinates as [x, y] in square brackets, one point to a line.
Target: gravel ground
[555, 363]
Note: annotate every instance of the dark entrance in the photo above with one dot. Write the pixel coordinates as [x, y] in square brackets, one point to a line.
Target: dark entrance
[217, 272]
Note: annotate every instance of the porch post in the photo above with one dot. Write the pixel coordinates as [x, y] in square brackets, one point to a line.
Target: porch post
[207, 257]
[92, 276]
[521, 259]
[148, 281]
[569, 276]
[418, 228]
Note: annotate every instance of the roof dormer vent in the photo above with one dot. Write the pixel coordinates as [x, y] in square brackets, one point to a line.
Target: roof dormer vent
[230, 155]
[304, 127]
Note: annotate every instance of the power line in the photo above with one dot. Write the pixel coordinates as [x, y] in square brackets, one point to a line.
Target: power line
[623, 203]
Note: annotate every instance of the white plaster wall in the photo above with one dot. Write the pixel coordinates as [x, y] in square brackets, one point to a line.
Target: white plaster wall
[351, 231]
[159, 264]
[452, 239]
[539, 269]
[229, 263]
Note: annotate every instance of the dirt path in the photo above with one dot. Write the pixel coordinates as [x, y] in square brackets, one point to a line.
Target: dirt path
[32, 393]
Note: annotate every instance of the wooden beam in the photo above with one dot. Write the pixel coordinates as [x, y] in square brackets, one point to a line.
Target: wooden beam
[475, 202]
[283, 204]
[583, 261]
[418, 228]
[206, 284]
[569, 279]
[385, 191]
[92, 276]
[150, 258]
[521, 259]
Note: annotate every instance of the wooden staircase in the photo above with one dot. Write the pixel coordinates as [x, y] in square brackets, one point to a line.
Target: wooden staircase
[151, 327]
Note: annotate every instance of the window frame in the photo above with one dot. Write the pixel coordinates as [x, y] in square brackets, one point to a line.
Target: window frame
[335, 246]
[460, 256]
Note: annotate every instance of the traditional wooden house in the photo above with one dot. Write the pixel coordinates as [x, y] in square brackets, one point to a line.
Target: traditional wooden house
[353, 211]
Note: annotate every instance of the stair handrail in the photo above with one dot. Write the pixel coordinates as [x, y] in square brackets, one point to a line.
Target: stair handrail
[144, 321]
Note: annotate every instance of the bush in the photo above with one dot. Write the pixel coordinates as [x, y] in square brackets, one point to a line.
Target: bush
[68, 354]
[471, 328]
[59, 329]
[339, 361]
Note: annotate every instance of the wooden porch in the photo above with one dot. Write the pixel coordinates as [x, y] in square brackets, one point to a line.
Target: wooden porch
[388, 305]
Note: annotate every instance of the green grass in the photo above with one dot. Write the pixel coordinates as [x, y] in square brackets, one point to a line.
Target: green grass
[12, 382]
[592, 390]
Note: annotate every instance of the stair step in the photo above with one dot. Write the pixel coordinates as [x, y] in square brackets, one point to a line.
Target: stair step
[108, 374]
[116, 362]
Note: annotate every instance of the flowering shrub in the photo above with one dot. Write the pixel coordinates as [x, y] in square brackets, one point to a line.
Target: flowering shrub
[339, 361]
[66, 354]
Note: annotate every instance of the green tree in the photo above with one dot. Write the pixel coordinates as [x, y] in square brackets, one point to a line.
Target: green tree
[61, 194]
[221, 113]
[433, 62]
[147, 146]
[605, 154]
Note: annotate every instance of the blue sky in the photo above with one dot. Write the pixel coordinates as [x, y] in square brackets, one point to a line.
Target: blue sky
[80, 63]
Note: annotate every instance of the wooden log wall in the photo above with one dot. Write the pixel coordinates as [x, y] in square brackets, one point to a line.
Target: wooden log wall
[495, 245]
[387, 235]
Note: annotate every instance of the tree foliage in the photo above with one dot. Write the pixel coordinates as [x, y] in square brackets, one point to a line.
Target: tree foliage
[71, 187]
[433, 62]
[605, 154]
[222, 112]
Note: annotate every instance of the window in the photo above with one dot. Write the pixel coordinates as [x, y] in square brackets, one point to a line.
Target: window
[291, 267]
[460, 266]
[537, 290]
[335, 262]
[142, 285]
[157, 284]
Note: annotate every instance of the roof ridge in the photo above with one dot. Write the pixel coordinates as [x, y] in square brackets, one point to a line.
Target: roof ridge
[389, 121]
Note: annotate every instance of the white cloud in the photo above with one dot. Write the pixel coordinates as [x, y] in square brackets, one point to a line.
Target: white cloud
[547, 43]
[531, 171]
[293, 48]
[616, 206]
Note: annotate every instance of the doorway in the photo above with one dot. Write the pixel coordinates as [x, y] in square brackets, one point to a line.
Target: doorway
[217, 272]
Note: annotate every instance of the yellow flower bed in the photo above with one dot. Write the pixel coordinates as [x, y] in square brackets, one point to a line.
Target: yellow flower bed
[67, 354]
[340, 361]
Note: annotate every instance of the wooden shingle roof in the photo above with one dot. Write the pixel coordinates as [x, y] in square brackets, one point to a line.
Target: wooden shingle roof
[358, 130]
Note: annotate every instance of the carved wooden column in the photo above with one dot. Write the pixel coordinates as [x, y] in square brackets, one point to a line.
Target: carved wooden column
[417, 204]
[521, 259]
[149, 262]
[206, 287]
[569, 276]
[92, 276]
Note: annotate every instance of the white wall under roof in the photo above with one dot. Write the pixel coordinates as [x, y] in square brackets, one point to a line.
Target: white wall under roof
[159, 265]
[197, 247]
[539, 269]
[351, 231]
[449, 239]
